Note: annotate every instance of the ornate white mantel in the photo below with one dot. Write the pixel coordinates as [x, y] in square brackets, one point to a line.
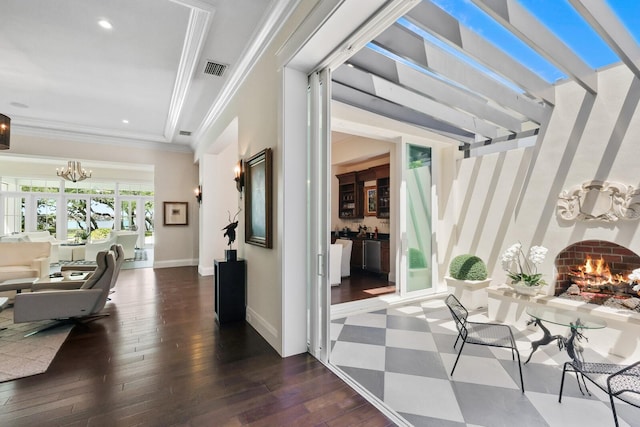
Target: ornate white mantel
[599, 201]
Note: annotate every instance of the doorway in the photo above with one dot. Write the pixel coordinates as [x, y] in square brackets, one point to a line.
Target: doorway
[360, 222]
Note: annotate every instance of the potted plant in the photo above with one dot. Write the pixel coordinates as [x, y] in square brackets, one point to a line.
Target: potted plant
[523, 270]
[468, 280]
[81, 236]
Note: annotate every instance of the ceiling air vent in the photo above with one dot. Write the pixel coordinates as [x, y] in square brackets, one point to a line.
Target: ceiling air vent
[185, 133]
[214, 68]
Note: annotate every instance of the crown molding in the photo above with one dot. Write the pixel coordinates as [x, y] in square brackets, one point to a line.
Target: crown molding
[26, 122]
[197, 30]
[66, 132]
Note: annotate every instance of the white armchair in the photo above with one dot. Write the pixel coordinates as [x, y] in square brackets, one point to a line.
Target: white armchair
[128, 240]
[21, 260]
[92, 248]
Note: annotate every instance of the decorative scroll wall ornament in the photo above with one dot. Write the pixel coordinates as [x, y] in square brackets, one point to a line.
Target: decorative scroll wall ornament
[599, 201]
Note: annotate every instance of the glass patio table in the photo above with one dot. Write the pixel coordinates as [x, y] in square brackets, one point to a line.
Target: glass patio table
[576, 321]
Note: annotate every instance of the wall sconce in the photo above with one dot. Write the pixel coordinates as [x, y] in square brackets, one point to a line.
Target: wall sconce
[198, 193]
[238, 173]
[5, 132]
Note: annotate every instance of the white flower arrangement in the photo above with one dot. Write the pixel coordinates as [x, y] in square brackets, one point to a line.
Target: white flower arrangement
[634, 277]
[521, 268]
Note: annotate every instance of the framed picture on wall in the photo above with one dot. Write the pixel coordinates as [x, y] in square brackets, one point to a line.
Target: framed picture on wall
[370, 201]
[258, 200]
[176, 213]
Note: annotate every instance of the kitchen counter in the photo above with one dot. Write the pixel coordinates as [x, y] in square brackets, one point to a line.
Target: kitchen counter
[379, 262]
[353, 235]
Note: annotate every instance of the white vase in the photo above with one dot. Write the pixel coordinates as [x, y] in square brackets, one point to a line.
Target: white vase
[524, 289]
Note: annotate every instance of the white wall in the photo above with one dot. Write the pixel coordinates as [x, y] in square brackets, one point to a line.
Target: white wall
[509, 197]
[256, 108]
[220, 200]
[175, 178]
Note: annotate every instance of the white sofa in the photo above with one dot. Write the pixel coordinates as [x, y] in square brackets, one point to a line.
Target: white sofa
[21, 260]
[36, 236]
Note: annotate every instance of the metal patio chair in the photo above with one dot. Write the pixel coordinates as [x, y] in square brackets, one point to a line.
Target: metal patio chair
[480, 333]
[621, 382]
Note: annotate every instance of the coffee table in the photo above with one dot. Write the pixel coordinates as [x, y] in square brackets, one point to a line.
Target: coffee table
[17, 284]
[576, 321]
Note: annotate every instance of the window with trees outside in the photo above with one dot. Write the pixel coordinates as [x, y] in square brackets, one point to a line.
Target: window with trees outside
[81, 210]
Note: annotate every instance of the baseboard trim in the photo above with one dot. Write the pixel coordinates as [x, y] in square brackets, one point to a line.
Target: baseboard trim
[175, 263]
[265, 329]
[206, 271]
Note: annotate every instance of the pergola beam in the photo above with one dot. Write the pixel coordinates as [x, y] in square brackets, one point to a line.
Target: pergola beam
[394, 93]
[368, 102]
[520, 22]
[436, 21]
[434, 88]
[408, 45]
[600, 16]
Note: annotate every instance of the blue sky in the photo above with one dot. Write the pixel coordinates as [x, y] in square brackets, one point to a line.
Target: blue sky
[560, 18]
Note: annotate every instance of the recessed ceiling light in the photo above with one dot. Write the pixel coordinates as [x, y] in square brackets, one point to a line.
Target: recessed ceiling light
[105, 24]
[125, 121]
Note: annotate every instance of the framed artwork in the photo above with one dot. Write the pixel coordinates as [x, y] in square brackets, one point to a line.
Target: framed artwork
[258, 199]
[370, 201]
[176, 213]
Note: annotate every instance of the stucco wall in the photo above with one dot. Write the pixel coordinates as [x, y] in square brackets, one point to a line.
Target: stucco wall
[508, 197]
[175, 177]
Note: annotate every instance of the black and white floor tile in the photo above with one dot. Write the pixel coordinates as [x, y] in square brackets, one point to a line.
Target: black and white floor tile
[403, 357]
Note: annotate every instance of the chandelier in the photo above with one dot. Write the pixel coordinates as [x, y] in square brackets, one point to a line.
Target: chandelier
[73, 172]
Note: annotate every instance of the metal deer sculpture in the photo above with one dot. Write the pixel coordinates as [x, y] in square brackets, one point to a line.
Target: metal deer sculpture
[572, 344]
[546, 339]
[574, 350]
[230, 229]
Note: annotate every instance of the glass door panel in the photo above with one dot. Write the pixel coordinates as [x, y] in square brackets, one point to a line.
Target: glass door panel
[46, 215]
[102, 216]
[14, 215]
[128, 215]
[418, 220]
[148, 223]
[77, 215]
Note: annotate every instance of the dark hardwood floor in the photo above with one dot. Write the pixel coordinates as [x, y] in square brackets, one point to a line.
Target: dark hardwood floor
[159, 359]
[361, 285]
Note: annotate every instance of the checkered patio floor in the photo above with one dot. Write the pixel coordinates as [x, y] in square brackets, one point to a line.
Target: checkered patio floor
[403, 357]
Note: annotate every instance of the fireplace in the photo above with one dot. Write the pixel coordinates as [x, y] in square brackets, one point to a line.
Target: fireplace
[596, 271]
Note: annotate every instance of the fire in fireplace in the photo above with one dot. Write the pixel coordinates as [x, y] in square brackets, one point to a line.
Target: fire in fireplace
[596, 275]
[597, 271]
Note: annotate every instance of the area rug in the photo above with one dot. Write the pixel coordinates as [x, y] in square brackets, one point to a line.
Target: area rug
[22, 357]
